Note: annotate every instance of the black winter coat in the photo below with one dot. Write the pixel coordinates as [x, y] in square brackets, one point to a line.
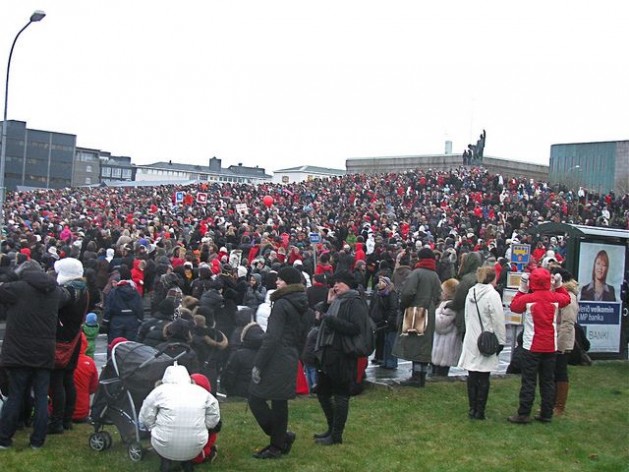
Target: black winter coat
[278, 355]
[236, 376]
[31, 304]
[71, 316]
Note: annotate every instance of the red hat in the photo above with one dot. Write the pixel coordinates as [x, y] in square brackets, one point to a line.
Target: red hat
[116, 341]
[202, 381]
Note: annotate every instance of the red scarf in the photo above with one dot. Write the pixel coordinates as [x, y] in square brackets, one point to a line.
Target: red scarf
[430, 264]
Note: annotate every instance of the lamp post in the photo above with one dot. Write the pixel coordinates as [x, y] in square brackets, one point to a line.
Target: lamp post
[37, 15]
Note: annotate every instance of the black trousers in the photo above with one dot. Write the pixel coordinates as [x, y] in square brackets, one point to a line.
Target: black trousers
[561, 368]
[272, 419]
[537, 365]
[63, 394]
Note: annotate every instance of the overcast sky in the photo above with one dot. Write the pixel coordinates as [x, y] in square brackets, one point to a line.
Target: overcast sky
[286, 83]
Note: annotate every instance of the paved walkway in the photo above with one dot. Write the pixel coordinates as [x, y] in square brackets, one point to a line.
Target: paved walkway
[374, 374]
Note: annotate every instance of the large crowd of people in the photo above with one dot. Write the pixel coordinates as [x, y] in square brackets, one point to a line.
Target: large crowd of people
[228, 278]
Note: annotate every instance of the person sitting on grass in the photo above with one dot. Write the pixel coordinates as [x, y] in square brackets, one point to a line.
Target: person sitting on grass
[179, 414]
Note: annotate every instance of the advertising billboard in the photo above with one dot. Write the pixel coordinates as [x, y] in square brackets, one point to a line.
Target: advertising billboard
[600, 275]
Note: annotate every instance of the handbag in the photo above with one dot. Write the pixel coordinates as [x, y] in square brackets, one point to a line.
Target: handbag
[415, 321]
[64, 351]
[487, 342]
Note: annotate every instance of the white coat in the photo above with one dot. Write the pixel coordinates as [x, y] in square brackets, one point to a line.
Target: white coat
[492, 314]
[178, 414]
[446, 343]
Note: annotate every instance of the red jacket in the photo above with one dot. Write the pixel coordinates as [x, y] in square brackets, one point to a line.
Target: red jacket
[85, 381]
[540, 308]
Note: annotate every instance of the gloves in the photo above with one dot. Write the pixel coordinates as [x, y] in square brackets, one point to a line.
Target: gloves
[255, 375]
[557, 281]
[524, 283]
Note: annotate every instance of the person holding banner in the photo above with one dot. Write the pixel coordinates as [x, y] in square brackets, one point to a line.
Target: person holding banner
[598, 290]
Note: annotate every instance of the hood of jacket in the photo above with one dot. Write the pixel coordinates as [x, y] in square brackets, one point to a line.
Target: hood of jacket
[39, 281]
[126, 290]
[176, 374]
[202, 381]
[572, 286]
[470, 263]
[295, 294]
[251, 336]
[480, 290]
[243, 316]
[539, 280]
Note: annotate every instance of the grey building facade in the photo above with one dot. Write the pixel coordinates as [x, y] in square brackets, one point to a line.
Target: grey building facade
[598, 166]
[38, 159]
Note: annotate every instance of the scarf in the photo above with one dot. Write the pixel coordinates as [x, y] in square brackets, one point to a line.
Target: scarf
[429, 264]
[325, 336]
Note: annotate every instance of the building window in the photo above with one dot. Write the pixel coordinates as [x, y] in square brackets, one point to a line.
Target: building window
[126, 173]
[88, 168]
[116, 173]
[106, 172]
[88, 180]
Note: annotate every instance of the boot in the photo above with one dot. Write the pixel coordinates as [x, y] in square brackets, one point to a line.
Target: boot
[472, 391]
[482, 390]
[341, 410]
[328, 410]
[413, 381]
[561, 396]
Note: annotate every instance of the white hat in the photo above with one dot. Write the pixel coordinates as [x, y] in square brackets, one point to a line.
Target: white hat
[242, 271]
[110, 254]
[52, 250]
[68, 269]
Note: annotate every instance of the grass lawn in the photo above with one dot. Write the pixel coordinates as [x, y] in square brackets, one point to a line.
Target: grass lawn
[401, 429]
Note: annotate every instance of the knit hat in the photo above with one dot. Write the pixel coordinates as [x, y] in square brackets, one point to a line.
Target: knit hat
[425, 253]
[242, 271]
[91, 319]
[202, 381]
[290, 275]
[116, 341]
[52, 251]
[344, 276]
[68, 269]
[110, 254]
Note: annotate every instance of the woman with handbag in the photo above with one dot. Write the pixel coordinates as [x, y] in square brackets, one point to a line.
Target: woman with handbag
[419, 298]
[483, 312]
[70, 320]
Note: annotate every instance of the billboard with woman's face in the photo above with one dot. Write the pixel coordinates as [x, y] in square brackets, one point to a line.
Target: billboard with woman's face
[601, 269]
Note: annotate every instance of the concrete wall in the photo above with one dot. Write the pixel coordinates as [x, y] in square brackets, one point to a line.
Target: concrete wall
[507, 168]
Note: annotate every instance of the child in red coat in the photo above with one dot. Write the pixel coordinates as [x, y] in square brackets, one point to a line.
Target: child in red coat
[85, 382]
[209, 452]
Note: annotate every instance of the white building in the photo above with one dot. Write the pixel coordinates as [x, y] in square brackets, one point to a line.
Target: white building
[304, 173]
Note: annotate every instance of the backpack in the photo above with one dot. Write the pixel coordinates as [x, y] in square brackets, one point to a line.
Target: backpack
[364, 343]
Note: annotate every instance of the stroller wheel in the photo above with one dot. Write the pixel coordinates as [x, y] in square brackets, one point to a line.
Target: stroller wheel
[98, 441]
[136, 453]
[108, 440]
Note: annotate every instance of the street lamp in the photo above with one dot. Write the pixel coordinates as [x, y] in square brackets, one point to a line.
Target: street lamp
[37, 15]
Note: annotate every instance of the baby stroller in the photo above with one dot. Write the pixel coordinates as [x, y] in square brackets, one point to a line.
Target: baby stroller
[126, 380]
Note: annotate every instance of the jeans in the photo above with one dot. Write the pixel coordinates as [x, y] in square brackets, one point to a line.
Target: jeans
[20, 380]
[389, 360]
[311, 377]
